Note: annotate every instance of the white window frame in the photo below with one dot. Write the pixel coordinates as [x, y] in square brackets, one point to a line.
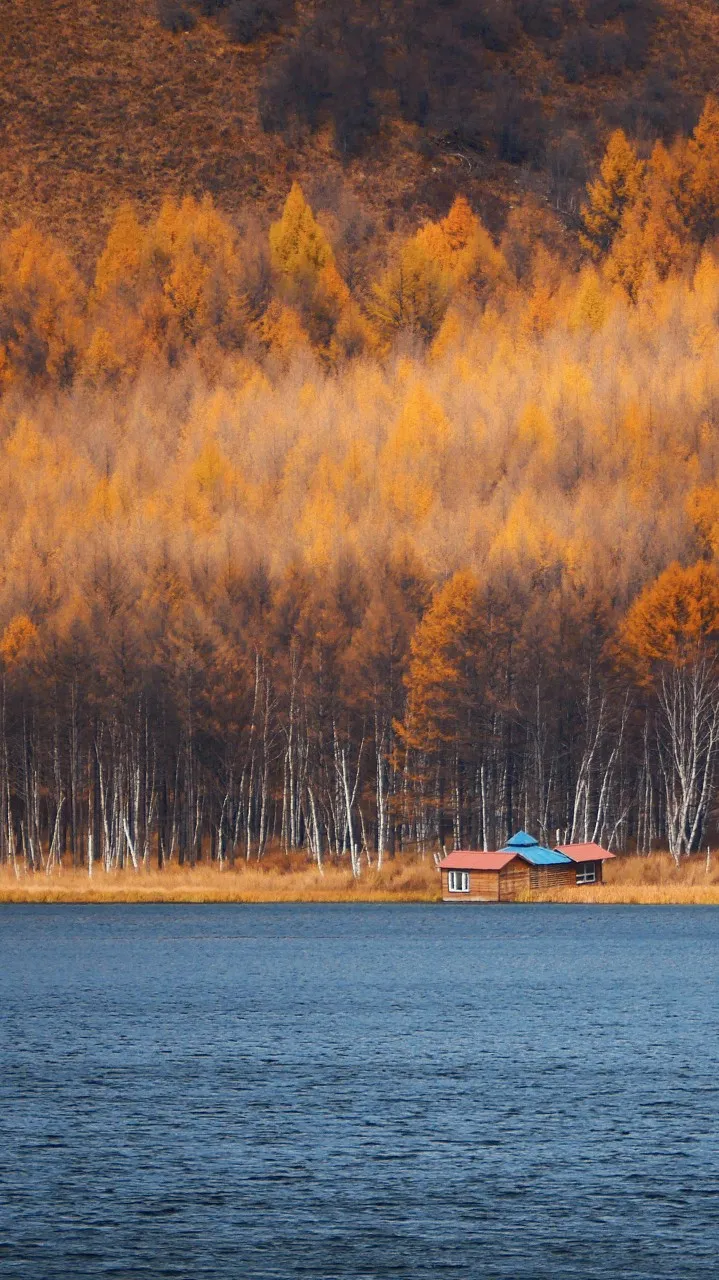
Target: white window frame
[587, 873]
[458, 881]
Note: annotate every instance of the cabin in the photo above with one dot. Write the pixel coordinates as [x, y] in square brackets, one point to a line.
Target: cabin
[521, 866]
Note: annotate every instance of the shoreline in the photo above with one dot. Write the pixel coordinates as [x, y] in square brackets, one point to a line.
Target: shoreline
[633, 881]
[242, 884]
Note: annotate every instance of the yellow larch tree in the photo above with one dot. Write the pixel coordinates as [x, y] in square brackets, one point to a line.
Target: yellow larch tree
[201, 270]
[653, 237]
[671, 638]
[700, 181]
[590, 306]
[117, 339]
[413, 294]
[298, 245]
[446, 686]
[412, 459]
[18, 641]
[462, 247]
[102, 360]
[431, 267]
[304, 263]
[703, 509]
[536, 430]
[284, 334]
[527, 539]
[674, 617]
[42, 303]
[353, 334]
[616, 188]
[120, 262]
[449, 333]
[166, 286]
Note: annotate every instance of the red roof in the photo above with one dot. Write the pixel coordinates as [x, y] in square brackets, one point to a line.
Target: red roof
[464, 860]
[585, 852]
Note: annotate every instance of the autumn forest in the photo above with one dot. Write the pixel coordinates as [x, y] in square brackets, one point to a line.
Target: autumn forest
[350, 546]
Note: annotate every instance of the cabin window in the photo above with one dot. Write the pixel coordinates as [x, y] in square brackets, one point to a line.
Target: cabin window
[586, 873]
[458, 881]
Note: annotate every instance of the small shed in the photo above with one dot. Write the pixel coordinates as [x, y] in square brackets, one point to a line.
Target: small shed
[521, 866]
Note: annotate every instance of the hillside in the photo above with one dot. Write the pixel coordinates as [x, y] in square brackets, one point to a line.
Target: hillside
[101, 101]
[353, 502]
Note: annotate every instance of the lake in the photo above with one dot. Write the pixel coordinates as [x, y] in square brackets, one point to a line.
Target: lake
[235, 1092]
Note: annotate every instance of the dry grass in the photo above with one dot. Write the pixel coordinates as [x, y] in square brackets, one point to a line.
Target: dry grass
[651, 881]
[399, 881]
[648, 881]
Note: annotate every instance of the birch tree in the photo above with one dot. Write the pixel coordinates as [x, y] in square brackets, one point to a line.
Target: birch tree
[672, 635]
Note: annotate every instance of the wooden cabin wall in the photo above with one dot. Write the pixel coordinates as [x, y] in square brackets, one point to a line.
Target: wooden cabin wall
[555, 877]
[514, 881]
[483, 887]
[485, 884]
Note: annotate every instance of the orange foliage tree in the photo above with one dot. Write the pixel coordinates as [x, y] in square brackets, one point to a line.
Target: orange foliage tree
[615, 190]
[653, 236]
[672, 634]
[41, 309]
[700, 178]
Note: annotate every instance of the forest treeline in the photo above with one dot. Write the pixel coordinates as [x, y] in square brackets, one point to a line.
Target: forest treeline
[354, 548]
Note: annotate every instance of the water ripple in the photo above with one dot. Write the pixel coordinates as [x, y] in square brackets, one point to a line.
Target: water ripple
[239, 1093]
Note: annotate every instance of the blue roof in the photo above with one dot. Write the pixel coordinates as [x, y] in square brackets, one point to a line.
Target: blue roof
[533, 852]
[540, 857]
[521, 841]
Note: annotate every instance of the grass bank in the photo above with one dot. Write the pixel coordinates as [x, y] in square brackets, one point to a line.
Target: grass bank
[647, 881]
[398, 881]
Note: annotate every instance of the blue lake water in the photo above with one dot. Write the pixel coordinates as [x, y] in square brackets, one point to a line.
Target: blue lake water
[359, 1091]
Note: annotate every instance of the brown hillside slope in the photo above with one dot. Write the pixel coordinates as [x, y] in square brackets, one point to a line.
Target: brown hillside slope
[99, 103]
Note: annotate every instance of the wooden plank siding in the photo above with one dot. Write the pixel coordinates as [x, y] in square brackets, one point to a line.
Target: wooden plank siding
[556, 877]
[514, 880]
[483, 887]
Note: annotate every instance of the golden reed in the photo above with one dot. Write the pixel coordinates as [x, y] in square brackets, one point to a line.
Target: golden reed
[647, 881]
[399, 881]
